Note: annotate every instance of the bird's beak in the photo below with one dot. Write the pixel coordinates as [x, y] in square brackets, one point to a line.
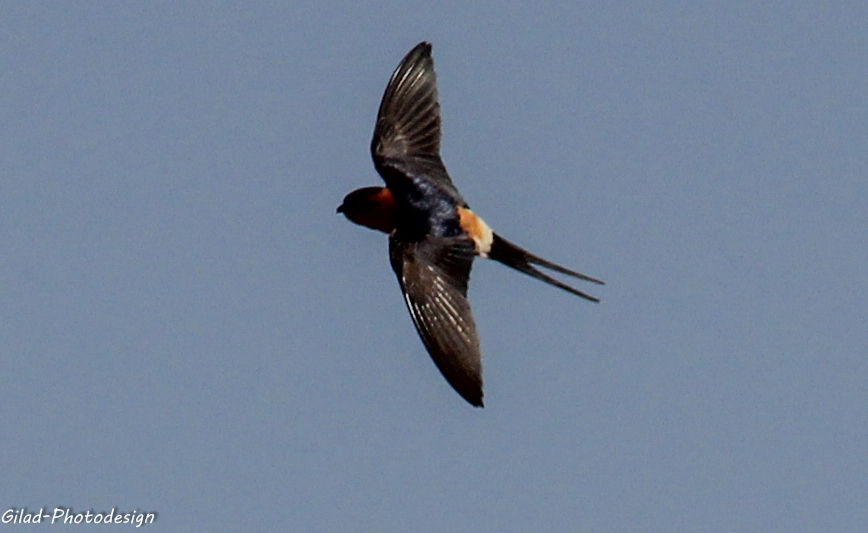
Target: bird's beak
[340, 209]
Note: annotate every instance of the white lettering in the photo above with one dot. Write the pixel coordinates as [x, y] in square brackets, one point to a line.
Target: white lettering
[58, 512]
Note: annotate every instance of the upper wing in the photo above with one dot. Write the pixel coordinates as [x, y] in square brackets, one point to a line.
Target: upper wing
[406, 141]
[433, 274]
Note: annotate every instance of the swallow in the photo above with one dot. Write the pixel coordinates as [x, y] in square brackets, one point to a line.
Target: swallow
[433, 234]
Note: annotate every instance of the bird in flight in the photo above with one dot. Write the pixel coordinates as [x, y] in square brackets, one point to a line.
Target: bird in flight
[433, 234]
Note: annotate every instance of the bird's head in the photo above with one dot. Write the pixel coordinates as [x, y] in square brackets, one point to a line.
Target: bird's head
[372, 207]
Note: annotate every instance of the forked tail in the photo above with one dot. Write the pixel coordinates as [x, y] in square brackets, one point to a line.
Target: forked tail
[520, 259]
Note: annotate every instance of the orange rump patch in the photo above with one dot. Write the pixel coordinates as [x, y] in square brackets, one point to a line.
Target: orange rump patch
[477, 229]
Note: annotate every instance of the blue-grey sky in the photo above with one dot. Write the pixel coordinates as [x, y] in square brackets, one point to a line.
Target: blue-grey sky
[187, 327]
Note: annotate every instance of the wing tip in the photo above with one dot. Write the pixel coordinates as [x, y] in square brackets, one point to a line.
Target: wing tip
[475, 400]
[423, 47]
[420, 53]
[469, 387]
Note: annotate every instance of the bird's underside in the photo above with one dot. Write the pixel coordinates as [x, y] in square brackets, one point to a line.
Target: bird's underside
[433, 234]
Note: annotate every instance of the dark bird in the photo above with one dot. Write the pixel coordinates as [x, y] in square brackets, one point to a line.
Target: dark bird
[433, 234]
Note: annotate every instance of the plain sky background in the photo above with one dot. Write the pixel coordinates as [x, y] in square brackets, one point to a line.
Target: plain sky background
[187, 327]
